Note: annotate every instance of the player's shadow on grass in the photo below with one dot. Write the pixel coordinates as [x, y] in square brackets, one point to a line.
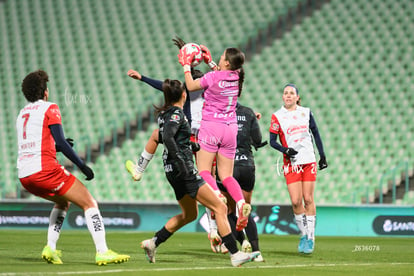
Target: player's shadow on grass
[30, 260]
[188, 255]
[289, 253]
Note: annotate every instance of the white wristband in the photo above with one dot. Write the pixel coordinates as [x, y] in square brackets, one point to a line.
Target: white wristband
[187, 68]
[212, 65]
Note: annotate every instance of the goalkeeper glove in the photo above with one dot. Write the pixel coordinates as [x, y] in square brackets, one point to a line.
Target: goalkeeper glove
[207, 57]
[184, 58]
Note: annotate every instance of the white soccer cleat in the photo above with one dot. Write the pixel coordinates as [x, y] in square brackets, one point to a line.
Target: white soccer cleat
[150, 249]
[246, 246]
[240, 258]
[259, 258]
[132, 168]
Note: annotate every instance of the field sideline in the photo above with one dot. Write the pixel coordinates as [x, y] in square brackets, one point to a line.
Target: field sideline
[190, 254]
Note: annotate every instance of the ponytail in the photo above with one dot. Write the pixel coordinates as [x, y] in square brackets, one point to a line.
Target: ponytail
[241, 80]
[236, 59]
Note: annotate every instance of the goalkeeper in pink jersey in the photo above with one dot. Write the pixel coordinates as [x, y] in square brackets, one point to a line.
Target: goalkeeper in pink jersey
[218, 130]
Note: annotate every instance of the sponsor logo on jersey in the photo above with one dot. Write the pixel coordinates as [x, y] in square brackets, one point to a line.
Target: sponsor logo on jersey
[225, 84]
[241, 118]
[296, 129]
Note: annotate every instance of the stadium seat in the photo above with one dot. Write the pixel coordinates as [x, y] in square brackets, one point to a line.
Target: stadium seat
[349, 58]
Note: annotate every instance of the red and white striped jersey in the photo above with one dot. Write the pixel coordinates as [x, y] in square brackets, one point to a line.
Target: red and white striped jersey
[293, 130]
[36, 145]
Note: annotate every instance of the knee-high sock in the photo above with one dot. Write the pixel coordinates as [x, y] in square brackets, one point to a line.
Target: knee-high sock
[230, 243]
[238, 235]
[55, 224]
[251, 232]
[212, 223]
[143, 160]
[206, 175]
[161, 236]
[311, 222]
[96, 227]
[233, 188]
[301, 223]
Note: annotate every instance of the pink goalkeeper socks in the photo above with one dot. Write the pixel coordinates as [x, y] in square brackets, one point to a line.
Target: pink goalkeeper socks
[233, 188]
[206, 175]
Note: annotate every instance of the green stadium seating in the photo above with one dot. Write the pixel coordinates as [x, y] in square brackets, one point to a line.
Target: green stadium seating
[351, 61]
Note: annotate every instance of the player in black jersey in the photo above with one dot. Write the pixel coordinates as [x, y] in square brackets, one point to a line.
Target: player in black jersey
[189, 187]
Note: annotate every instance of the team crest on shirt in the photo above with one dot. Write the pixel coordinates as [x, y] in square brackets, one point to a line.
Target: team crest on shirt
[175, 118]
[275, 126]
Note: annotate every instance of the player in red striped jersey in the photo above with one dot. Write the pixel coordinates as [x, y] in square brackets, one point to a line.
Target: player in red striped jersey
[295, 127]
[39, 136]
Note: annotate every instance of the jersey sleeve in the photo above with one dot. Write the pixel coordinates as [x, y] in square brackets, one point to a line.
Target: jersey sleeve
[53, 115]
[316, 135]
[274, 125]
[157, 84]
[206, 80]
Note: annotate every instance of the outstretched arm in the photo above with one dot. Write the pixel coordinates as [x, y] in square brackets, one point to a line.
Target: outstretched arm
[185, 60]
[157, 84]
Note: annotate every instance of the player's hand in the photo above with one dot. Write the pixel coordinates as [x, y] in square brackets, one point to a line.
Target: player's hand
[195, 146]
[185, 58]
[134, 74]
[207, 57]
[70, 142]
[87, 172]
[262, 144]
[322, 163]
[206, 54]
[290, 152]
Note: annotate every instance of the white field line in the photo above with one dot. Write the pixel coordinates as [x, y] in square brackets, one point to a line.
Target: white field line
[197, 268]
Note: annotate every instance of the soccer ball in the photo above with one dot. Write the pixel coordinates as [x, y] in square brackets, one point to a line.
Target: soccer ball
[194, 47]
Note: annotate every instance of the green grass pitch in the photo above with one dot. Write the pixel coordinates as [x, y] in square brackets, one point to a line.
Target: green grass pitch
[190, 254]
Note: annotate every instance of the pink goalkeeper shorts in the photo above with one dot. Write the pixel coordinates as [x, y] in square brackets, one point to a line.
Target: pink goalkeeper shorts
[218, 137]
